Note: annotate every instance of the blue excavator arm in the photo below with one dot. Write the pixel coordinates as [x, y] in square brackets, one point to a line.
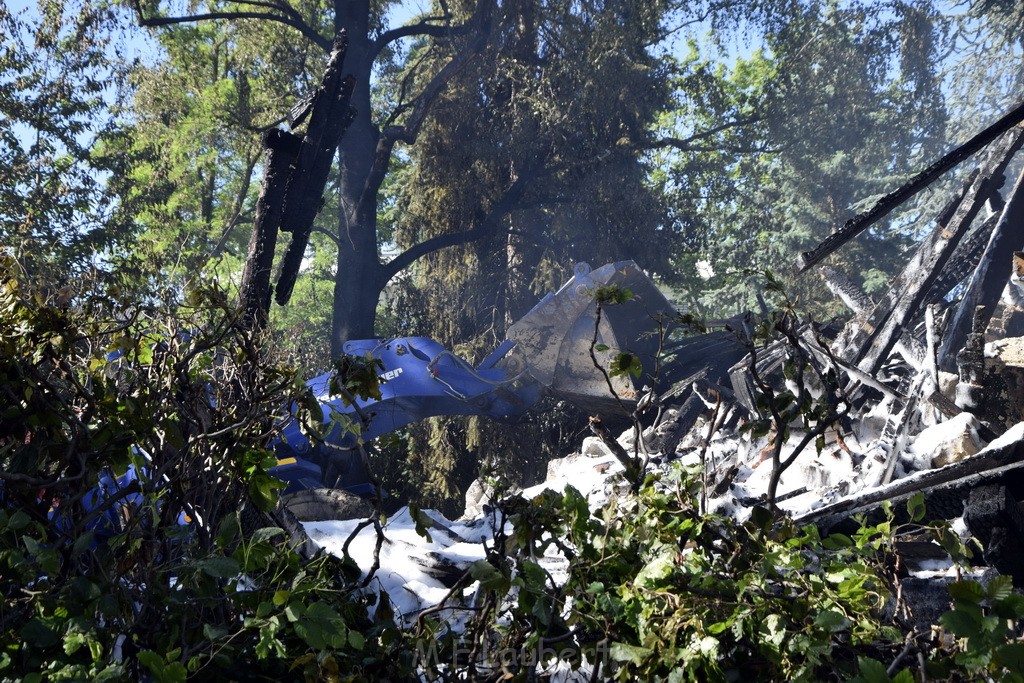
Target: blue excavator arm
[420, 379]
[552, 350]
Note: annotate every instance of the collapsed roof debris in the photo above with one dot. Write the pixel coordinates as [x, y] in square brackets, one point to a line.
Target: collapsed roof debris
[934, 375]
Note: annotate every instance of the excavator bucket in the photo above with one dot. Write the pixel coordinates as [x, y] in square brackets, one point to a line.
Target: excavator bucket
[569, 348]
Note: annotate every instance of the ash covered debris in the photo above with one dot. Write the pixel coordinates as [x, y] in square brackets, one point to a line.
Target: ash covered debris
[933, 371]
[925, 388]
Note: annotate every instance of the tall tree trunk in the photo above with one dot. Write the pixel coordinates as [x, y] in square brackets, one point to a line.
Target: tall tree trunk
[357, 284]
[254, 293]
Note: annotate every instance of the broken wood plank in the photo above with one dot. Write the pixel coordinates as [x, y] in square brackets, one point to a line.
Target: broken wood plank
[861, 305]
[875, 338]
[989, 278]
[886, 204]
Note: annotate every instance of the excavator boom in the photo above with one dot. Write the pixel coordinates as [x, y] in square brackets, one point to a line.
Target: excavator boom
[565, 346]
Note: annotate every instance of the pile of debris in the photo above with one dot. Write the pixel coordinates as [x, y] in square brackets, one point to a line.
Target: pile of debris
[934, 369]
[933, 373]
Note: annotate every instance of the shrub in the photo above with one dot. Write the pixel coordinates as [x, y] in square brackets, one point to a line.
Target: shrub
[180, 569]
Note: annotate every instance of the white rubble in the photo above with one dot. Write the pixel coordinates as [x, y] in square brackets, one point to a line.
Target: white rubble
[416, 573]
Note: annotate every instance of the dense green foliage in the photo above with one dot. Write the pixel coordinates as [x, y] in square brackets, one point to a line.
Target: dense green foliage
[58, 72]
[117, 587]
[706, 140]
[657, 590]
[839, 105]
[654, 588]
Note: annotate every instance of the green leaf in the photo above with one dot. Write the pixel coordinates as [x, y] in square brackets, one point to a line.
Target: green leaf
[83, 542]
[1010, 607]
[1000, 587]
[655, 571]
[18, 521]
[761, 517]
[489, 577]
[39, 634]
[871, 671]
[967, 591]
[84, 590]
[775, 628]
[322, 627]
[719, 627]
[960, 623]
[832, 621]
[263, 490]
[904, 676]
[625, 364]
[294, 611]
[542, 609]
[266, 533]
[229, 530]
[173, 672]
[151, 660]
[214, 633]
[836, 542]
[1011, 656]
[422, 521]
[915, 506]
[74, 641]
[624, 652]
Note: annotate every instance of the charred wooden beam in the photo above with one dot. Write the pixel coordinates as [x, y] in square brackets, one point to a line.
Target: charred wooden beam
[254, 294]
[990, 276]
[970, 361]
[329, 118]
[1000, 461]
[994, 517]
[862, 306]
[826, 358]
[949, 409]
[877, 335]
[964, 259]
[896, 430]
[886, 204]
[846, 290]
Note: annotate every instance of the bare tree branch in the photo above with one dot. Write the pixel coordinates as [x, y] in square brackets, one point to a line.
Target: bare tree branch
[421, 28]
[421, 106]
[687, 144]
[300, 26]
[508, 203]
